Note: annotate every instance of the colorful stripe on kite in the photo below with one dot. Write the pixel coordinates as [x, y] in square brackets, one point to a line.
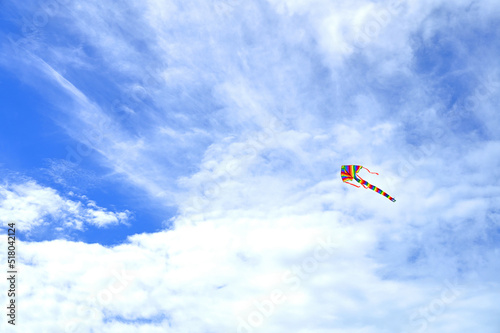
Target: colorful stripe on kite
[348, 173]
[374, 188]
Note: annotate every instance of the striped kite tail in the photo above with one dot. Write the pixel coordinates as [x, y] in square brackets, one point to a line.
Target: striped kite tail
[374, 188]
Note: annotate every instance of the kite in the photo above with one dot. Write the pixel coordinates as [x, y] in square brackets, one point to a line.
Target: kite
[349, 173]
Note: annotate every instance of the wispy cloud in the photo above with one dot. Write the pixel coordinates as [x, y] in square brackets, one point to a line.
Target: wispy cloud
[240, 114]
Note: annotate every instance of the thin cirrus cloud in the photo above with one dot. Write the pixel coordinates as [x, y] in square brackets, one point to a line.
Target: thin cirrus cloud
[240, 114]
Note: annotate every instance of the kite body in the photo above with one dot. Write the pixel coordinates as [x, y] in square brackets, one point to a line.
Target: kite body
[349, 173]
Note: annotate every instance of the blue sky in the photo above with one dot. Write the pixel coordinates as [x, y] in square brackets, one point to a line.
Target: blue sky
[177, 163]
[46, 158]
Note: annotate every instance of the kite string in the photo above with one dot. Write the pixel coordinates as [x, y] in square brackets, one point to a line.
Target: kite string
[352, 184]
[370, 171]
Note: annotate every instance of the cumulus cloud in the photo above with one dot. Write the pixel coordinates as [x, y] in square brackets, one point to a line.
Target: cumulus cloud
[314, 272]
[31, 205]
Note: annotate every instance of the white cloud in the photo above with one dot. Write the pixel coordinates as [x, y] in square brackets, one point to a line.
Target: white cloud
[216, 274]
[243, 123]
[31, 205]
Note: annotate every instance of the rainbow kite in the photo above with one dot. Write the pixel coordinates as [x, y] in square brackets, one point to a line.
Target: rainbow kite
[349, 173]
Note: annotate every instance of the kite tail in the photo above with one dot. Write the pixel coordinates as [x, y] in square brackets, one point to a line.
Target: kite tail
[374, 188]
